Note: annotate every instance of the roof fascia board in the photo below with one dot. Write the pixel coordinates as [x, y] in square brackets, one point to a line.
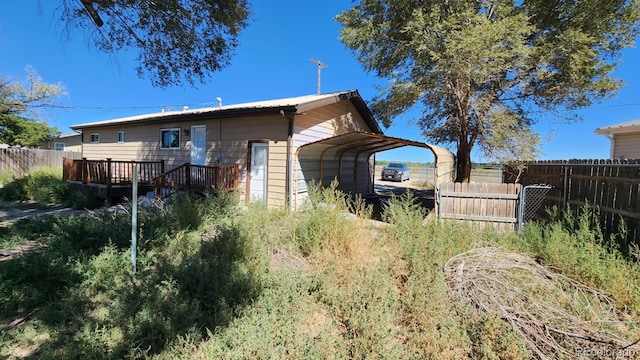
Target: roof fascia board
[618, 130]
[191, 116]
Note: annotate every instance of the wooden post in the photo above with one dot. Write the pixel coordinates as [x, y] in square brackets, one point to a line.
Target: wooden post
[162, 166]
[108, 178]
[188, 176]
[108, 173]
[236, 175]
[84, 170]
[216, 176]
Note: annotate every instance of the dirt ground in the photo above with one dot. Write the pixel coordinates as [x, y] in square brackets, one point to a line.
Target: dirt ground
[13, 211]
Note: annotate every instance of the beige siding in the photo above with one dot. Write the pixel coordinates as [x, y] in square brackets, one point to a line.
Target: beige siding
[626, 146]
[326, 122]
[71, 143]
[235, 136]
[141, 142]
[227, 143]
[320, 124]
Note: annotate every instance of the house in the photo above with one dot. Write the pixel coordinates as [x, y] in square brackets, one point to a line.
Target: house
[625, 139]
[64, 142]
[280, 146]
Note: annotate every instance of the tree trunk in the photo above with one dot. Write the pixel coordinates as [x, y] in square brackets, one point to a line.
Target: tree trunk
[463, 167]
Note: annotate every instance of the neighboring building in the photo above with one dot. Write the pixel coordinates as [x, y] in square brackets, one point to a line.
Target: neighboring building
[280, 145]
[64, 142]
[625, 139]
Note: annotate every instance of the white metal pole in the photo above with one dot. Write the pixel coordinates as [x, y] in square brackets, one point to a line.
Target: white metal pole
[134, 217]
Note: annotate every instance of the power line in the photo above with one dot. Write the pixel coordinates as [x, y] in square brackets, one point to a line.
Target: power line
[118, 107]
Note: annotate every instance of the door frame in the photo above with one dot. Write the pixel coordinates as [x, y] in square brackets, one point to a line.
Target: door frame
[191, 134]
[250, 144]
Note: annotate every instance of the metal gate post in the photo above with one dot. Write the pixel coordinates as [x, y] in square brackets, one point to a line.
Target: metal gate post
[522, 200]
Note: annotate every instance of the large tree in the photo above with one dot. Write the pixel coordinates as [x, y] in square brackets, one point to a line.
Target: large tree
[484, 71]
[175, 40]
[19, 104]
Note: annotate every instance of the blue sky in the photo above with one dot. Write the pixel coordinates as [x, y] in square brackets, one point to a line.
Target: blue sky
[271, 62]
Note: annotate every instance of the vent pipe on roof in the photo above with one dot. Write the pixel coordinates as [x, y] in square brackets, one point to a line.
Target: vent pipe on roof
[185, 108]
[219, 100]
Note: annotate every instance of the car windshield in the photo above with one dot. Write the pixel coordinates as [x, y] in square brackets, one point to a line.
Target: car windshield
[396, 165]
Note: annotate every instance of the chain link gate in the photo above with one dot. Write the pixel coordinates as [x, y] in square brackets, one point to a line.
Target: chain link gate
[531, 199]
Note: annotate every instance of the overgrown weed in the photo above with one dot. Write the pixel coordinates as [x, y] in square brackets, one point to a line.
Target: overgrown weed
[205, 289]
[575, 245]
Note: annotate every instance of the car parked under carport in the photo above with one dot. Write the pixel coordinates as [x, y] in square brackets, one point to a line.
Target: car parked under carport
[396, 172]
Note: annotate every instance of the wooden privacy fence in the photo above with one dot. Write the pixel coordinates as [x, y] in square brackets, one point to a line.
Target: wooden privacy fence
[21, 161]
[483, 204]
[612, 187]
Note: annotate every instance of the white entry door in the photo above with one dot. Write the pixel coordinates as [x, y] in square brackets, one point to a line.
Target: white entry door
[198, 144]
[258, 172]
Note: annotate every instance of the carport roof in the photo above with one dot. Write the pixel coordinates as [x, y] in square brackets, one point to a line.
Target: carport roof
[368, 143]
[364, 144]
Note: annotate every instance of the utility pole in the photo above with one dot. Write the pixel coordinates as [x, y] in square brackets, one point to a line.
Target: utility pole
[320, 66]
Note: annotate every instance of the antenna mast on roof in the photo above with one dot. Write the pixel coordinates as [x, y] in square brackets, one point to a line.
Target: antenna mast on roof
[320, 66]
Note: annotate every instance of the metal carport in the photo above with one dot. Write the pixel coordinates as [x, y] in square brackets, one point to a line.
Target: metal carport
[348, 158]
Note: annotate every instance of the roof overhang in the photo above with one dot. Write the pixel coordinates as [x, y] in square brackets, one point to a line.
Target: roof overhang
[628, 127]
[289, 106]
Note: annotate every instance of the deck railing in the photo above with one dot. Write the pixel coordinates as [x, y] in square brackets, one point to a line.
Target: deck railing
[110, 172]
[197, 177]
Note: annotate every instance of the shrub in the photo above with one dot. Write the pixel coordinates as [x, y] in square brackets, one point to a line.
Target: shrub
[79, 199]
[44, 186]
[574, 244]
[6, 176]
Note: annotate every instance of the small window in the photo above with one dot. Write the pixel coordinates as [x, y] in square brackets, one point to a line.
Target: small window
[95, 138]
[170, 138]
[58, 146]
[121, 136]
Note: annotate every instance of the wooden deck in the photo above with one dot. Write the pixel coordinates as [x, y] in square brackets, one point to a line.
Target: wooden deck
[113, 178]
[197, 177]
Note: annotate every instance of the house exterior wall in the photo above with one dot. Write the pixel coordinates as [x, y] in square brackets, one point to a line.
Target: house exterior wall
[626, 146]
[323, 123]
[227, 143]
[234, 140]
[71, 143]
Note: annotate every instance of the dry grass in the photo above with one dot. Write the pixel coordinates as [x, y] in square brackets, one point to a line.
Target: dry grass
[557, 316]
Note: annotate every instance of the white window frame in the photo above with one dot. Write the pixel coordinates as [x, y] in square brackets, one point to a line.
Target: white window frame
[120, 136]
[94, 138]
[162, 131]
[57, 144]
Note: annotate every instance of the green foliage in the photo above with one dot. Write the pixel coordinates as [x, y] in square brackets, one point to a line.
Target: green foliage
[6, 176]
[17, 99]
[576, 246]
[200, 34]
[19, 131]
[426, 185]
[206, 288]
[329, 218]
[409, 163]
[483, 69]
[81, 291]
[44, 186]
[79, 199]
